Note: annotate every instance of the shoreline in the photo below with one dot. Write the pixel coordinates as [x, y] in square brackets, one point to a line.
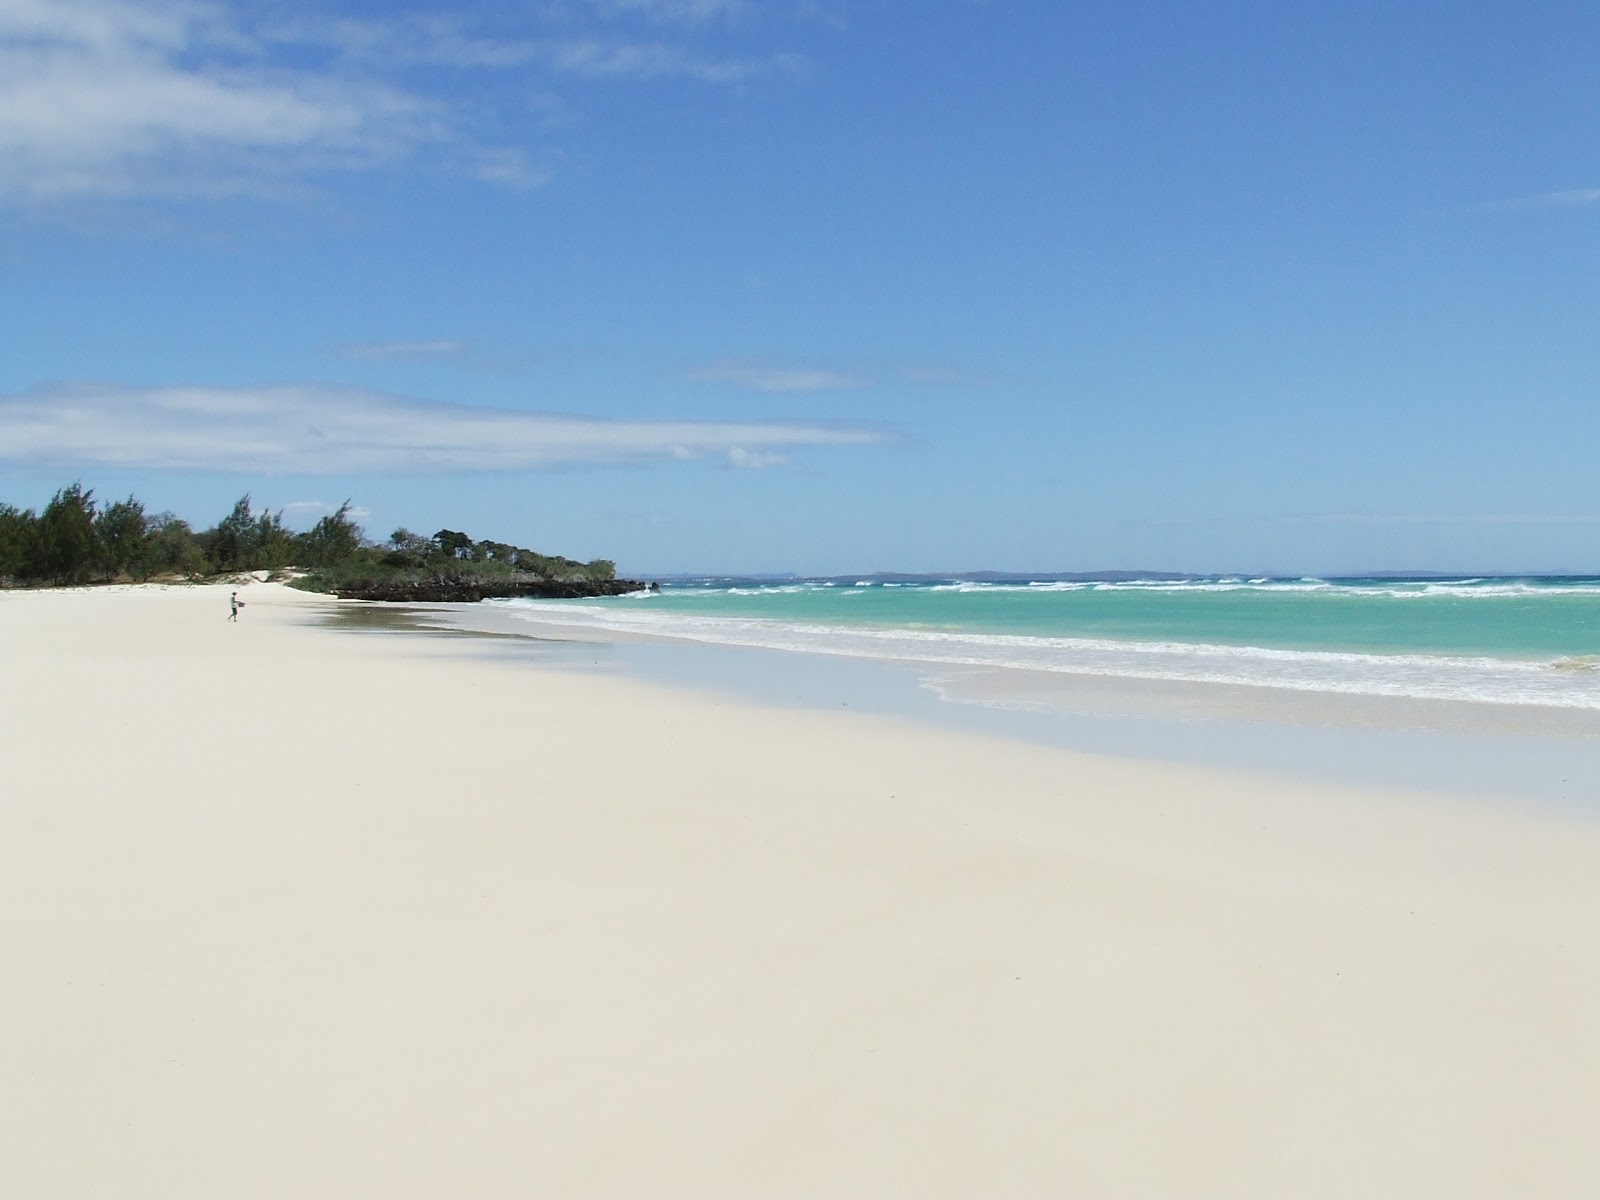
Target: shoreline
[293, 912]
[1471, 642]
[1510, 752]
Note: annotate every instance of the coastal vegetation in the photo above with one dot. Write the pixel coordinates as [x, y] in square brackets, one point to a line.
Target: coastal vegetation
[76, 540]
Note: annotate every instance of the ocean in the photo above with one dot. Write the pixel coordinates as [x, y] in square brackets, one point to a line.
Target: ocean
[1516, 641]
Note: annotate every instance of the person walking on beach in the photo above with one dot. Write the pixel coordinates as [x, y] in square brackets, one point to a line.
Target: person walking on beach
[234, 605]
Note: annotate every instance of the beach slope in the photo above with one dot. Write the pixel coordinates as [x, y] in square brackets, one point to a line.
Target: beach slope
[288, 911]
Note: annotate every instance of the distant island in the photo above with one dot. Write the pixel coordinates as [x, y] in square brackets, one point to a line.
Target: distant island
[75, 540]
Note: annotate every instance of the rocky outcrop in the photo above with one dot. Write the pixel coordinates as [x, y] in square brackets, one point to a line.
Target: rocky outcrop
[469, 591]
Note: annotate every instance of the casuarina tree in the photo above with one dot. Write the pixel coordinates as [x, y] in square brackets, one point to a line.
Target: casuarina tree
[120, 532]
[231, 544]
[333, 539]
[18, 527]
[64, 541]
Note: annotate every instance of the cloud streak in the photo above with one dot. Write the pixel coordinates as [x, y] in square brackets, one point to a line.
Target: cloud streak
[313, 429]
[1439, 519]
[754, 460]
[599, 53]
[766, 377]
[1569, 198]
[602, 59]
[110, 98]
[692, 12]
[399, 351]
[761, 376]
[101, 99]
[302, 514]
[1380, 519]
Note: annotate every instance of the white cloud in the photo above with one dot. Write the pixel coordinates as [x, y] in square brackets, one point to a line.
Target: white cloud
[693, 12]
[301, 509]
[507, 166]
[314, 429]
[753, 460]
[759, 376]
[1440, 519]
[100, 98]
[305, 513]
[945, 375]
[1349, 518]
[406, 40]
[603, 58]
[597, 53]
[405, 351]
[764, 377]
[1570, 198]
[115, 98]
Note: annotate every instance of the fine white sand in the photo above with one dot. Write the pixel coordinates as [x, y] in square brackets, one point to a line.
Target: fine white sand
[292, 912]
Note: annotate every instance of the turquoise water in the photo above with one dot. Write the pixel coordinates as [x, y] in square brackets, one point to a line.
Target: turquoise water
[1519, 641]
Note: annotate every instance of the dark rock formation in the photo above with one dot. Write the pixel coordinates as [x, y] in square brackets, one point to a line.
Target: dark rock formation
[468, 591]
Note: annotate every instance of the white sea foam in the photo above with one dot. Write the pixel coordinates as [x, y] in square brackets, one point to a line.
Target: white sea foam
[1466, 589]
[1556, 682]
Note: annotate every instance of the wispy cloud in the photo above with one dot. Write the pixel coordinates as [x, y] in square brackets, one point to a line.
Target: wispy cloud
[1570, 198]
[764, 376]
[753, 460]
[1379, 519]
[1441, 519]
[507, 166]
[602, 58]
[403, 351]
[949, 375]
[204, 98]
[693, 12]
[769, 377]
[100, 98]
[299, 513]
[314, 429]
[467, 354]
[446, 41]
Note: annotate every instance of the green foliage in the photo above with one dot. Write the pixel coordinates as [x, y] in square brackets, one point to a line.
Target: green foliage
[18, 528]
[231, 545]
[119, 531]
[74, 541]
[272, 546]
[333, 539]
[65, 547]
[547, 566]
[173, 548]
[247, 541]
[410, 549]
[452, 544]
[485, 551]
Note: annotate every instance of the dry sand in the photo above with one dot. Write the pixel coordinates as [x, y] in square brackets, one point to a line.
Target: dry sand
[288, 912]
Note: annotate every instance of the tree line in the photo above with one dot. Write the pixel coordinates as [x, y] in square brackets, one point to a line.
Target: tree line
[75, 539]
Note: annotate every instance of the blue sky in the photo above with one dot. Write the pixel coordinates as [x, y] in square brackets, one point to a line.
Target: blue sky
[816, 285]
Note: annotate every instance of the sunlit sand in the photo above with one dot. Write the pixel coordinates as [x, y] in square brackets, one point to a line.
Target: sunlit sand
[289, 911]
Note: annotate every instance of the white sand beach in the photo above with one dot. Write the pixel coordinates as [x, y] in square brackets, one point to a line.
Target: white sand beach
[288, 911]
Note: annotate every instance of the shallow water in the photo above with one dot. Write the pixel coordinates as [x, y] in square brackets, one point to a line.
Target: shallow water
[1528, 642]
[1549, 758]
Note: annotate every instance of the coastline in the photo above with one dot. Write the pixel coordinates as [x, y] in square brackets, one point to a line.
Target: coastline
[1522, 753]
[290, 911]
